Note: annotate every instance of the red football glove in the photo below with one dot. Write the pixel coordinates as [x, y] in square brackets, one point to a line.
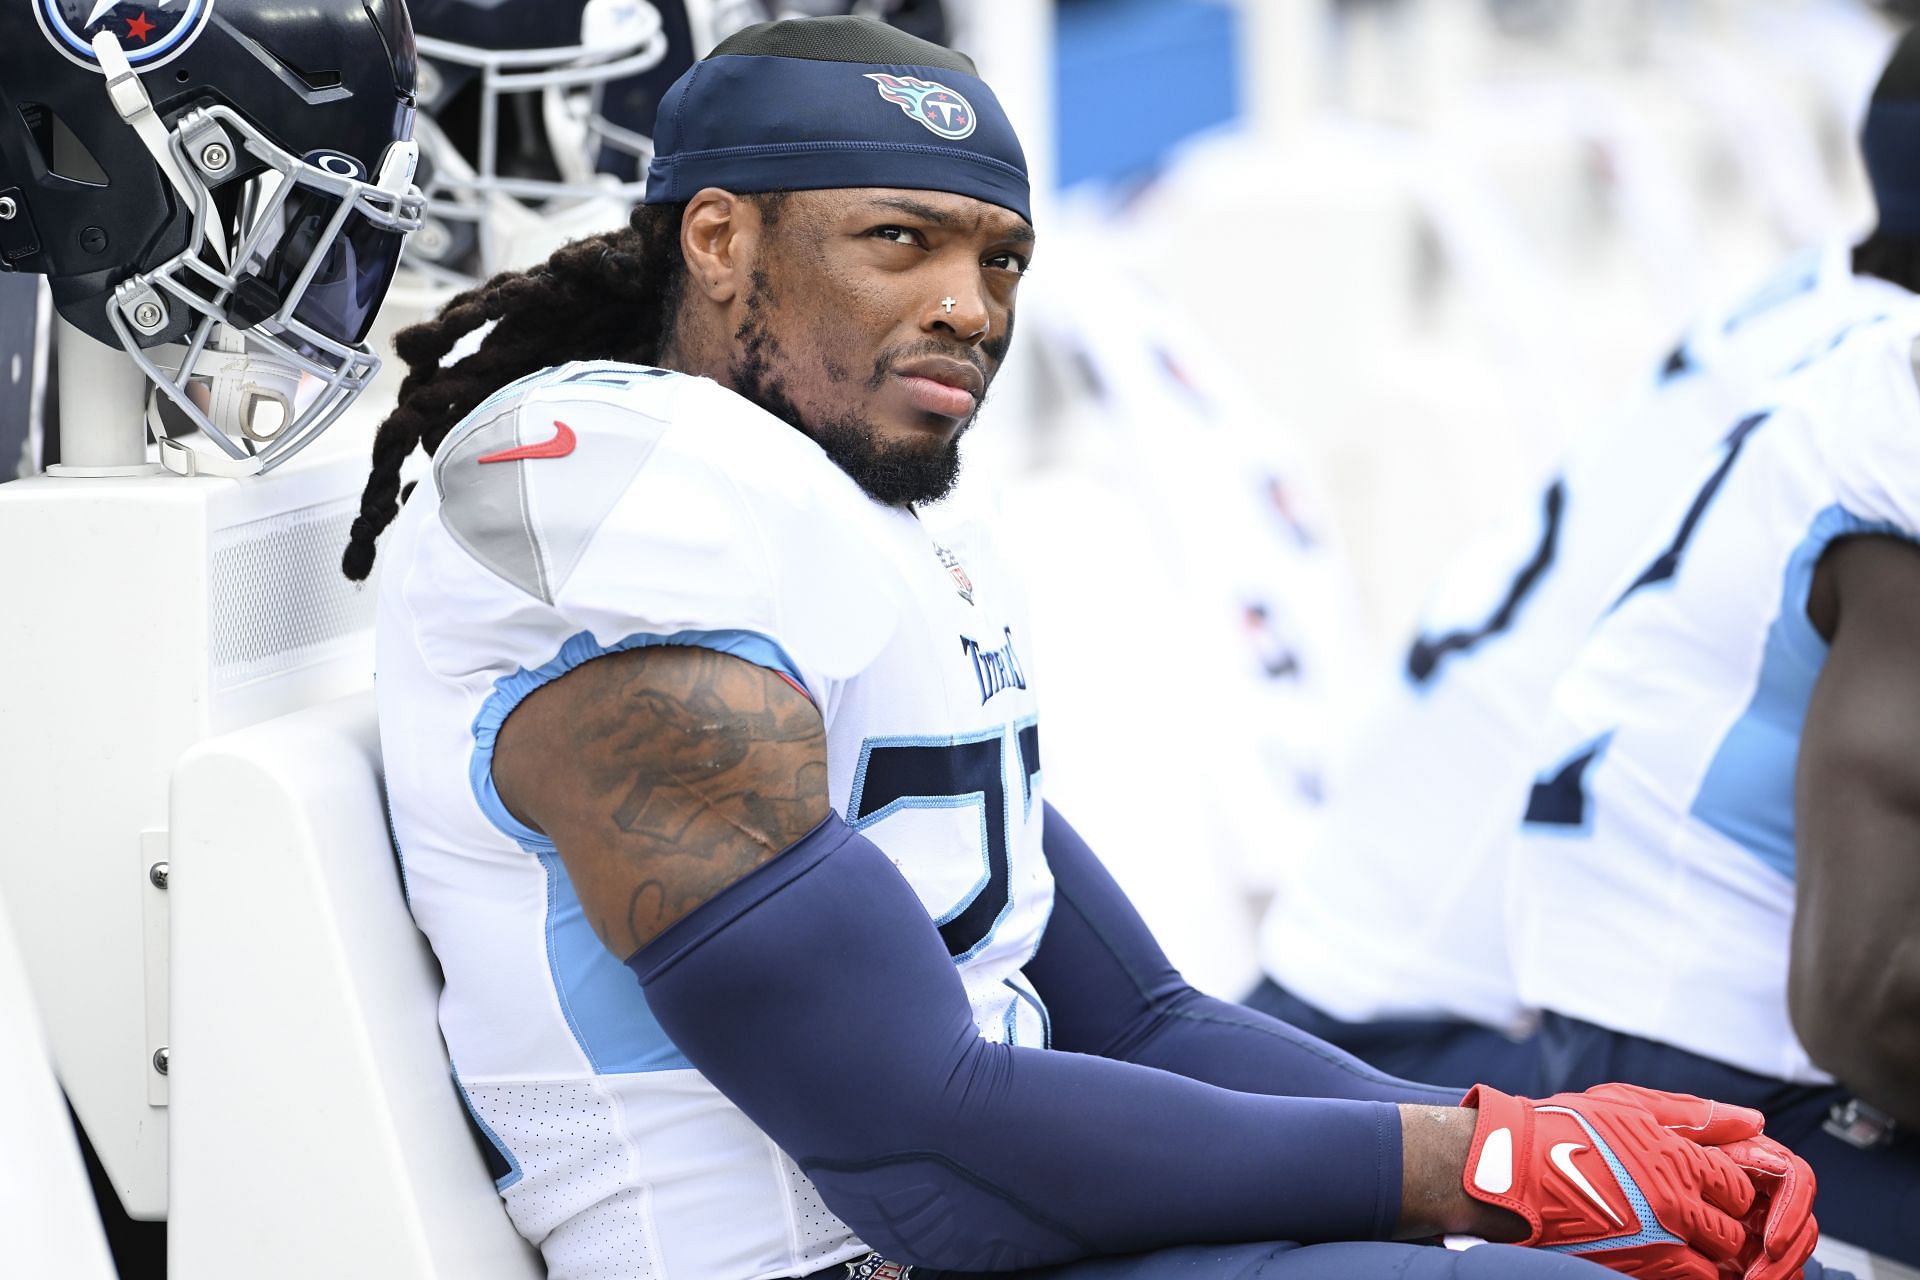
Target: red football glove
[1780, 1226]
[1602, 1177]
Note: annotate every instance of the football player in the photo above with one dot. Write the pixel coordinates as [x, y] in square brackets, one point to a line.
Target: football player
[1390, 943]
[715, 765]
[1714, 884]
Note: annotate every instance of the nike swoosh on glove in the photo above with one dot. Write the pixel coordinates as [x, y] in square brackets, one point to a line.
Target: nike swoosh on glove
[1780, 1226]
[1603, 1178]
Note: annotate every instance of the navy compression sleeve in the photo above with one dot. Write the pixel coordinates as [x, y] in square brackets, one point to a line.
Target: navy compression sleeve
[1110, 990]
[816, 995]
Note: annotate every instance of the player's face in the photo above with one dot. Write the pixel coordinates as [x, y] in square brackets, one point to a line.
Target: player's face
[876, 321]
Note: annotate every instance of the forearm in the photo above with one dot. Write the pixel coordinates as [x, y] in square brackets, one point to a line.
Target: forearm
[1111, 991]
[817, 997]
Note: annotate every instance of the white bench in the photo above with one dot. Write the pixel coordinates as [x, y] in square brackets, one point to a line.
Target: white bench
[316, 1129]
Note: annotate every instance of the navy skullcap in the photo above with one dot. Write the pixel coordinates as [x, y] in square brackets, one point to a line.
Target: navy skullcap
[752, 123]
[1890, 140]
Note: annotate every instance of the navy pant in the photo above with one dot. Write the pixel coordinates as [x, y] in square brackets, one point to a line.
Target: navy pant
[1438, 1051]
[1869, 1198]
[1356, 1261]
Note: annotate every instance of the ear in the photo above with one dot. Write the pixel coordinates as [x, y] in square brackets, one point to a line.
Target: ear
[717, 238]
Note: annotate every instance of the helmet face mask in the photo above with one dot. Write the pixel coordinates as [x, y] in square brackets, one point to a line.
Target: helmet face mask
[311, 251]
[521, 130]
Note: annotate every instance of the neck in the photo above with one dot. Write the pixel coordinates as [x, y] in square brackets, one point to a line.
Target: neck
[694, 348]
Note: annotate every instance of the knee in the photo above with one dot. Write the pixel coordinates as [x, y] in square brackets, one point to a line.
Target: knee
[1510, 1262]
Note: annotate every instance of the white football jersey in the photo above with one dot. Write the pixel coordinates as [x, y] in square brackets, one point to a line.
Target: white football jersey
[1653, 879]
[1400, 914]
[600, 507]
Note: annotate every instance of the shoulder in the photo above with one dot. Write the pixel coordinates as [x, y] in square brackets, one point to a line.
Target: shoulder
[1863, 387]
[646, 457]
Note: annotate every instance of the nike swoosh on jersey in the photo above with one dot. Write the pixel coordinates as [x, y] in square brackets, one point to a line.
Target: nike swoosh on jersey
[1562, 1156]
[1494, 1171]
[559, 447]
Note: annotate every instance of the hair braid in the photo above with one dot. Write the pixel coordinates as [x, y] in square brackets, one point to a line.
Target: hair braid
[609, 296]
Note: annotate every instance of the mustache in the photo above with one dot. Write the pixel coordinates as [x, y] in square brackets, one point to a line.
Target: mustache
[886, 360]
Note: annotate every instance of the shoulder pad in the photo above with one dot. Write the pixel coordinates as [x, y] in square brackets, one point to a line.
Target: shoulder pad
[530, 475]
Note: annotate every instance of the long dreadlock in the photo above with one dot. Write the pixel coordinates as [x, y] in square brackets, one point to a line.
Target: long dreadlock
[612, 296]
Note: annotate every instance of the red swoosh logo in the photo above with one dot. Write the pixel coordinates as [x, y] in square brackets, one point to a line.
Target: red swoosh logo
[559, 447]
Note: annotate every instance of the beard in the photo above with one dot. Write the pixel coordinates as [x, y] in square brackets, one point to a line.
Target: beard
[897, 473]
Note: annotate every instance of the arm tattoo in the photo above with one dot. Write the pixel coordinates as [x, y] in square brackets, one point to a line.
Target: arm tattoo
[697, 768]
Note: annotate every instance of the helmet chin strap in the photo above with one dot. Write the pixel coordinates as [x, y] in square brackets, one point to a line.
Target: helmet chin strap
[236, 389]
[130, 99]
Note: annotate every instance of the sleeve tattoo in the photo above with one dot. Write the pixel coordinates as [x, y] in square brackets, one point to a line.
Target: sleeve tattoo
[686, 770]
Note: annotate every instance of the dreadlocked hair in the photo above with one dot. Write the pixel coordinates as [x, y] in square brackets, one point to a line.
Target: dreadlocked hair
[606, 297]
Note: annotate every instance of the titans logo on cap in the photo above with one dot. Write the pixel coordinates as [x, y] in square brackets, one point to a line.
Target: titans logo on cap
[149, 31]
[937, 107]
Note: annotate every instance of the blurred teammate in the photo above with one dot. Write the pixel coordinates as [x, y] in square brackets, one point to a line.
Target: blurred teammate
[1717, 880]
[1391, 943]
[673, 674]
[538, 118]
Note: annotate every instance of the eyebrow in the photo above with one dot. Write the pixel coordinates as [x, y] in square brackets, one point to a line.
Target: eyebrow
[1020, 233]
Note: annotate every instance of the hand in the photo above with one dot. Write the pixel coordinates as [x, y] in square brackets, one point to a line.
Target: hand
[1780, 1226]
[1603, 1177]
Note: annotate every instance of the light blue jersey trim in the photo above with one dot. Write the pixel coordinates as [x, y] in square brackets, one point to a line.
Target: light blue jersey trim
[1651, 1232]
[1026, 730]
[1746, 793]
[513, 1173]
[599, 996]
[1025, 994]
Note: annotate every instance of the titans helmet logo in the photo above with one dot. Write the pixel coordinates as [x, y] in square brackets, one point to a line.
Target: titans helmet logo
[937, 107]
[150, 32]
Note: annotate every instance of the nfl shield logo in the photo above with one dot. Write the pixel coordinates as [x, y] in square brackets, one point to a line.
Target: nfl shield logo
[940, 109]
[961, 582]
[875, 1267]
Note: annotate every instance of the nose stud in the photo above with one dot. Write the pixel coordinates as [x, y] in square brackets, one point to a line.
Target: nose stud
[948, 303]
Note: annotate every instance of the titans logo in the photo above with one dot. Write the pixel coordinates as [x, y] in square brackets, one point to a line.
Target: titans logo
[150, 32]
[937, 107]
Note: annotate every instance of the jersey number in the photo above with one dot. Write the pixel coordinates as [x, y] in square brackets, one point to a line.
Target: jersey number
[1424, 659]
[918, 774]
[1667, 563]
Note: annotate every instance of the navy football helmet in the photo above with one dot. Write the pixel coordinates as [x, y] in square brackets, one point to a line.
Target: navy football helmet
[221, 188]
[538, 118]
